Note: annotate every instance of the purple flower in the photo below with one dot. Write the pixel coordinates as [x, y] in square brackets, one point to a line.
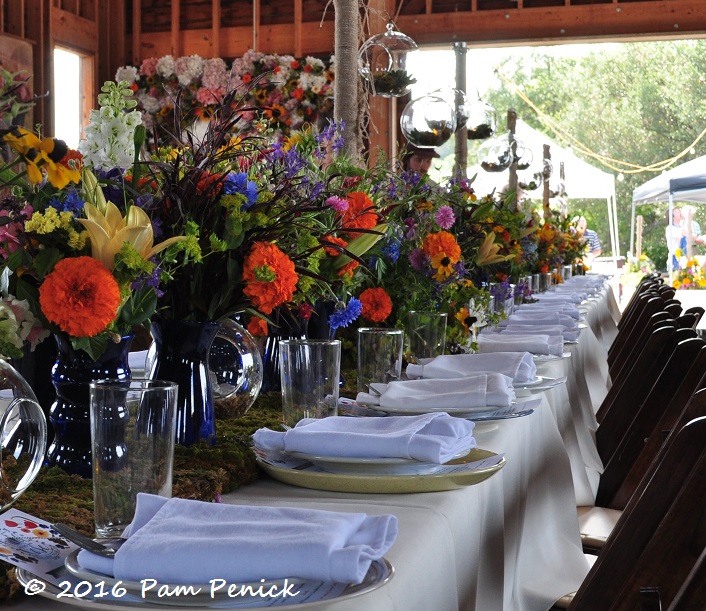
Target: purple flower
[411, 226]
[417, 259]
[238, 183]
[445, 217]
[338, 204]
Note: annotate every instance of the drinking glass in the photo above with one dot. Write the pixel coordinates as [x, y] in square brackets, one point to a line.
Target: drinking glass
[379, 356]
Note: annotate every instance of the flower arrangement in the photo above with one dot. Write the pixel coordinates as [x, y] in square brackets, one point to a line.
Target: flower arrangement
[285, 91]
[558, 244]
[74, 262]
[691, 276]
[15, 96]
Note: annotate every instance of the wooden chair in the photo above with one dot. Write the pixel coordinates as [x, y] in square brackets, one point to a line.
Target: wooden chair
[649, 305]
[692, 594]
[596, 523]
[664, 371]
[660, 535]
[647, 282]
[636, 371]
[696, 311]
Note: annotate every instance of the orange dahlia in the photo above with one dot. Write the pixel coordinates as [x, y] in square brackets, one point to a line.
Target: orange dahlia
[81, 296]
[269, 276]
[441, 242]
[332, 251]
[377, 305]
[359, 214]
[347, 270]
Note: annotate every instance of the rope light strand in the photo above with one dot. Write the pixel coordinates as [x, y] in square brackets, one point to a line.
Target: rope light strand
[614, 164]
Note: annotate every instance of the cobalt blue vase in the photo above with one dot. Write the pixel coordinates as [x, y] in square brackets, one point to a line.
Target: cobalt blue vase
[70, 414]
[181, 355]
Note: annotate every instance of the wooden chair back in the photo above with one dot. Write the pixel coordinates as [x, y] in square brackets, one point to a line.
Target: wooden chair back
[660, 535]
[663, 371]
[636, 370]
[665, 402]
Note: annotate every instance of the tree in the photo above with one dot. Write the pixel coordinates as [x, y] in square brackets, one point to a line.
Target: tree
[640, 103]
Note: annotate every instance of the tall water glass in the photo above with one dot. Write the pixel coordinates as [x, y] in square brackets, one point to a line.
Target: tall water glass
[133, 428]
[379, 356]
[426, 335]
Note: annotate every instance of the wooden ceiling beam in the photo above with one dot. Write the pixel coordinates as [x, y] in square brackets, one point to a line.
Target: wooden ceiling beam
[665, 18]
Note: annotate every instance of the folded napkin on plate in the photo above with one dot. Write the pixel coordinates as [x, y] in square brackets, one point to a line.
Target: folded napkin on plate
[569, 335]
[569, 309]
[180, 541]
[518, 365]
[434, 438]
[536, 344]
[479, 390]
[540, 318]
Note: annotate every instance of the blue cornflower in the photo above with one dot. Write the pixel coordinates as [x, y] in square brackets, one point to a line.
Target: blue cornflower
[391, 249]
[346, 315]
[71, 203]
[238, 183]
[151, 281]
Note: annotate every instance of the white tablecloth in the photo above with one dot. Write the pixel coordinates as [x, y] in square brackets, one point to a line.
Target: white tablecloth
[510, 543]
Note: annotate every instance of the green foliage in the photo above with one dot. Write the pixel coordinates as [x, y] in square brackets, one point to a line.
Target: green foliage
[638, 102]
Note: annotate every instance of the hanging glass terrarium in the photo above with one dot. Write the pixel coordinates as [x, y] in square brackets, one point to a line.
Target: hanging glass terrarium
[428, 122]
[383, 63]
[482, 120]
[495, 155]
[529, 180]
[523, 155]
[458, 100]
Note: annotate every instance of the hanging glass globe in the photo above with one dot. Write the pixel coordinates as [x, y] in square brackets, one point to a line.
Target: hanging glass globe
[482, 120]
[383, 63]
[523, 155]
[458, 101]
[547, 169]
[495, 155]
[428, 122]
[529, 181]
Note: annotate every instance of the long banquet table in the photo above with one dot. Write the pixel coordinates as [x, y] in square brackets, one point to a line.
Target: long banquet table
[508, 543]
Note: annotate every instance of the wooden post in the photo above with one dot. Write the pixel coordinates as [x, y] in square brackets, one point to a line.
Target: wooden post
[638, 247]
[512, 180]
[546, 156]
[345, 87]
[461, 135]
[216, 28]
[176, 27]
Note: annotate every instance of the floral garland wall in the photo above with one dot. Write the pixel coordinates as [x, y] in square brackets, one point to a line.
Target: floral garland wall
[286, 91]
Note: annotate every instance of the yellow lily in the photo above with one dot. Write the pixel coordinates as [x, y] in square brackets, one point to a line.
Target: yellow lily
[109, 230]
[488, 252]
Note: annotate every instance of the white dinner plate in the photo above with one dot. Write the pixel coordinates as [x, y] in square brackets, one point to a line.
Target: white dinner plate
[545, 383]
[372, 466]
[313, 594]
[543, 358]
[460, 412]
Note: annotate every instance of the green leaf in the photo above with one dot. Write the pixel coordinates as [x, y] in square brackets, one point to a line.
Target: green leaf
[140, 307]
[93, 346]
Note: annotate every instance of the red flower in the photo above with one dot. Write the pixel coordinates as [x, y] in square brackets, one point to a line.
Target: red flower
[333, 251]
[294, 65]
[257, 326]
[269, 276]
[377, 305]
[359, 214]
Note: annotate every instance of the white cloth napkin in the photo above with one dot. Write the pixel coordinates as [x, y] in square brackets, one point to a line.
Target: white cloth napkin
[180, 541]
[569, 335]
[520, 366]
[541, 318]
[559, 298]
[536, 344]
[434, 438]
[569, 309]
[479, 390]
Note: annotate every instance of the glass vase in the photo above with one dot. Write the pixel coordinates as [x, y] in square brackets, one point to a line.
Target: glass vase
[181, 352]
[286, 326]
[23, 435]
[70, 413]
[236, 369]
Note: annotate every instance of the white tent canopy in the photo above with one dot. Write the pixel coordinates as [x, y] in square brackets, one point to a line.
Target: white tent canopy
[582, 180]
[686, 182]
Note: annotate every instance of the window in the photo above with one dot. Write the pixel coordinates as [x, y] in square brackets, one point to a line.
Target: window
[67, 97]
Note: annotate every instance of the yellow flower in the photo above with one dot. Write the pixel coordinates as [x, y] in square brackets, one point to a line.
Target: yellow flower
[488, 252]
[443, 265]
[109, 230]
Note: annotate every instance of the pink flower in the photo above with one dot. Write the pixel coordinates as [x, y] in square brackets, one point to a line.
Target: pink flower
[338, 204]
[445, 217]
[210, 96]
[9, 240]
[149, 67]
